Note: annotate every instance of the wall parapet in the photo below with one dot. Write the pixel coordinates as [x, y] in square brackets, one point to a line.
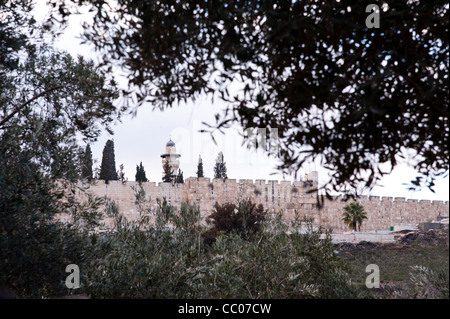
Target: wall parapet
[275, 196]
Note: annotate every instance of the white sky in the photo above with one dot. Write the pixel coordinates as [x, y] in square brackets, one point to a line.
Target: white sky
[143, 138]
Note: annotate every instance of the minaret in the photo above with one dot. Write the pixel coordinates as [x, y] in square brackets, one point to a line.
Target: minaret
[172, 156]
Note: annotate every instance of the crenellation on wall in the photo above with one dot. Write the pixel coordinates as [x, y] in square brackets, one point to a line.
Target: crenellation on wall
[275, 196]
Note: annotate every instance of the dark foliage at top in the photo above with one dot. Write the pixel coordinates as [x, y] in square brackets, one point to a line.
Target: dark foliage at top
[354, 97]
[16, 21]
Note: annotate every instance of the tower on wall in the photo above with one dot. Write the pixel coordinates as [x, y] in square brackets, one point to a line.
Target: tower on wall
[172, 156]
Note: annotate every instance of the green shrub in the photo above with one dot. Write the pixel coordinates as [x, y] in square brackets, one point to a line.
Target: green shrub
[424, 283]
[158, 261]
[34, 249]
[151, 261]
[245, 219]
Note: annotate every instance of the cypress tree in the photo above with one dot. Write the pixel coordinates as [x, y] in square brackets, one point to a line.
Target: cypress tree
[122, 174]
[140, 174]
[200, 167]
[220, 169]
[167, 173]
[137, 177]
[86, 164]
[108, 167]
[180, 178]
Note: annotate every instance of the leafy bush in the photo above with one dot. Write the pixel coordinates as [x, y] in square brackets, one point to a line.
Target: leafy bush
[424, 283]
[276, 264]
[34, 249]
[245, 219]
[169, 259]
[48, 101]
[138, 260]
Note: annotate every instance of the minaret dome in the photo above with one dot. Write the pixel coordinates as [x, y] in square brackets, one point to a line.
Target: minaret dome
[172, 155]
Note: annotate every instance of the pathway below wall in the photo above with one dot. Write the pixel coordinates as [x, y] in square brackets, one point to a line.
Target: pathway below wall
[358, 237]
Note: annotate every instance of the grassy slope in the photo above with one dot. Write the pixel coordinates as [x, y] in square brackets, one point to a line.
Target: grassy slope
[395, 260]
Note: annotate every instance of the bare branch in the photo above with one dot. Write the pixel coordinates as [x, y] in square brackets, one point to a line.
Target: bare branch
[20, 106]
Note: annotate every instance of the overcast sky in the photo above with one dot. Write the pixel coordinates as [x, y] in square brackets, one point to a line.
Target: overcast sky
[143, 139]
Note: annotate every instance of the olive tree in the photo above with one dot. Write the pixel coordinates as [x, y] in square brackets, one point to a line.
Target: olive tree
[339, 90]
[49, 101]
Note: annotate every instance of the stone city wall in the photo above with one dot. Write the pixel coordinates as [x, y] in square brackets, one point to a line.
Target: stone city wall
[275, 196]
[383, 212]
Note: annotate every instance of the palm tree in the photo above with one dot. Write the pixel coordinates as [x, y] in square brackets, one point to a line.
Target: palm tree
[354, 215]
